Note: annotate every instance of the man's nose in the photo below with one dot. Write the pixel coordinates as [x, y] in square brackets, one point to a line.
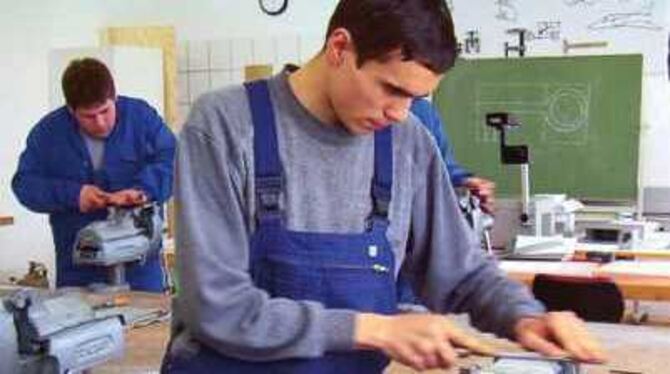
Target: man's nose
[398, 111]
[100, 121]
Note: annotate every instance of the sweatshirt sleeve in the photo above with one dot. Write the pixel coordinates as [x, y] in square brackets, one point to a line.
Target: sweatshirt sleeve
[218, 302]
[451, 271]
[430, 118]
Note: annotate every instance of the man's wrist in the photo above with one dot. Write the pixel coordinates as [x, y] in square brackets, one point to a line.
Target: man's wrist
[370, 330]
[525, 321]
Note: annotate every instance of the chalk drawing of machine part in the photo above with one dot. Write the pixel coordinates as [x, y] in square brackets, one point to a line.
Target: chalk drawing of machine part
[562, 110]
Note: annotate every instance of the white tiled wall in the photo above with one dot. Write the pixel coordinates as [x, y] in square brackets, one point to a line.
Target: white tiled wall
[211, 64]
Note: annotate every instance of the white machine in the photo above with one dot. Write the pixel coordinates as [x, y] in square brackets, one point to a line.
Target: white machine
[553, 214]
[55, 333]
[624, 233]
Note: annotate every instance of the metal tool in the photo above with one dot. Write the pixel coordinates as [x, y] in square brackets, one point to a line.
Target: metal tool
[481, 222]
[567, 46]
[513, 155]
[126, 236]
[519, 48]
[472, 42]
[525, 362]
[49, 333]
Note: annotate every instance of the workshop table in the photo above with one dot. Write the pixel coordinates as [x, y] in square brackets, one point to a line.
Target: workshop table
[637, 349]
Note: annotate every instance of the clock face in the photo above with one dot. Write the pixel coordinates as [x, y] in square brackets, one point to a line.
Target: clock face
[273, 7]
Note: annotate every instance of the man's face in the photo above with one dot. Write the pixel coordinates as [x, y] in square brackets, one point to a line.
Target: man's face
[97, 120]
[378, 93]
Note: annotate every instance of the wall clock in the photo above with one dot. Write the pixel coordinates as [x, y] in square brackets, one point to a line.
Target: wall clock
[273, 7]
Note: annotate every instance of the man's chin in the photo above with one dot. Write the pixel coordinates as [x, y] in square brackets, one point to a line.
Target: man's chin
[98, 135]
[360, 130]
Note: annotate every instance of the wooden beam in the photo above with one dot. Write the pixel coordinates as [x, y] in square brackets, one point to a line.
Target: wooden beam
[6, 220]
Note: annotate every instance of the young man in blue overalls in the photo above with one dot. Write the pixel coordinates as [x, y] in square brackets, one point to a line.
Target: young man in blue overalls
[297, 198]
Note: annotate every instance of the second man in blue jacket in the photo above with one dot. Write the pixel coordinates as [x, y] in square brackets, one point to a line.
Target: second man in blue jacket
[98, 150]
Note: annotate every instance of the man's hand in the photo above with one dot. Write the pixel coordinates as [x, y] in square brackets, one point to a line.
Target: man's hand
[484, 189]
[421, 341]
[92, 198]
[559, 334]
[128, 197]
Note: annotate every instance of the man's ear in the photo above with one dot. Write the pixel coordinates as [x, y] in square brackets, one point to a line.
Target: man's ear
[338, 45]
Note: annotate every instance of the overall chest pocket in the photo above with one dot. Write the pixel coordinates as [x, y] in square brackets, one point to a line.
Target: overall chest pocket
[368, 287]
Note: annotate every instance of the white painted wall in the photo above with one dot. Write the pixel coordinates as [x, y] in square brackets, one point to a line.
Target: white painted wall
[222, 19]
[29, 29]
[137, 71]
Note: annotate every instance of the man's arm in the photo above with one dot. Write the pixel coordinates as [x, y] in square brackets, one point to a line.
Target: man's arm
[455, 276]
[452, 273]
[34, 188]
[155, 177]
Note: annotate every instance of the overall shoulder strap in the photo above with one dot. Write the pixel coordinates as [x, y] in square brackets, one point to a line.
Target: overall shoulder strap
[382, 182]
[267, 167]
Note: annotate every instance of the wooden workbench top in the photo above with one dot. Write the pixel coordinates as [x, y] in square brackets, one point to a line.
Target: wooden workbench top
[638, 349]
[645, 283]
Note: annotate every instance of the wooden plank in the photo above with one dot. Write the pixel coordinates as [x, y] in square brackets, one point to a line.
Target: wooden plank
[633, 287]
[661, 254]
[6, 220]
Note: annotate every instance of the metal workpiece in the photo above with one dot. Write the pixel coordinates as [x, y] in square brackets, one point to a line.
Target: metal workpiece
[127, 235]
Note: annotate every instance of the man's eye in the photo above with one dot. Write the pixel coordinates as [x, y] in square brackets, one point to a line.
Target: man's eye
[392, 90]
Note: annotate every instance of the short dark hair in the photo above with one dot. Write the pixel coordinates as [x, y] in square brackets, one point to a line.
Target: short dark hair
[422, 29]
[87, 81]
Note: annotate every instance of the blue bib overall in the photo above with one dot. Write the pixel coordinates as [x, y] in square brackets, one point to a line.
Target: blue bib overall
[352, 271]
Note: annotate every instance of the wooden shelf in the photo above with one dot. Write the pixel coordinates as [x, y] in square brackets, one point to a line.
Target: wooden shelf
[6, 220]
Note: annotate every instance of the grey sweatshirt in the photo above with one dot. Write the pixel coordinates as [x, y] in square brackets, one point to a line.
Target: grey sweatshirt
[328, 175]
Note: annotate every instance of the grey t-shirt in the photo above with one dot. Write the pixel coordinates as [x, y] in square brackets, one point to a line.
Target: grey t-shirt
[96, 149]
[328, 174]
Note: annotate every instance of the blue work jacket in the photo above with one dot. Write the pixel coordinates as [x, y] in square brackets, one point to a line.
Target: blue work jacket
[55, 165]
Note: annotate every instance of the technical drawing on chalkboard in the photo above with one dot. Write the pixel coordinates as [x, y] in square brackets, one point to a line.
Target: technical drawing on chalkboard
[547, 30]
[506, 10]
[580, 115]
[562, 110]
[580, 2]
[625, 20]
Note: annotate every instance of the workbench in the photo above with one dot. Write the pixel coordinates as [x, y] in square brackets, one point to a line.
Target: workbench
[630, 349]
[637, 349]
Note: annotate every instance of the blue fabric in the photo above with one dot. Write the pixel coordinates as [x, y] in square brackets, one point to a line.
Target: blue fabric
[352, 271]
[382, 182]
[430, 118]
[55, 165]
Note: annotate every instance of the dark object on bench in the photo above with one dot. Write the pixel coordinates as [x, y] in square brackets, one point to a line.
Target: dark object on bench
[592, 299]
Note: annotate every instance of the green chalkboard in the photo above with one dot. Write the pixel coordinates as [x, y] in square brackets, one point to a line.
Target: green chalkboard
[580, 117]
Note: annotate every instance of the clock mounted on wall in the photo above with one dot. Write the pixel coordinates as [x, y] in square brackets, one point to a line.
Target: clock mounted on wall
[273, 7]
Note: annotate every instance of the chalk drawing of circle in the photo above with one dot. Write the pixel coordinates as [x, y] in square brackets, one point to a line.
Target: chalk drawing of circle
[567, 110]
